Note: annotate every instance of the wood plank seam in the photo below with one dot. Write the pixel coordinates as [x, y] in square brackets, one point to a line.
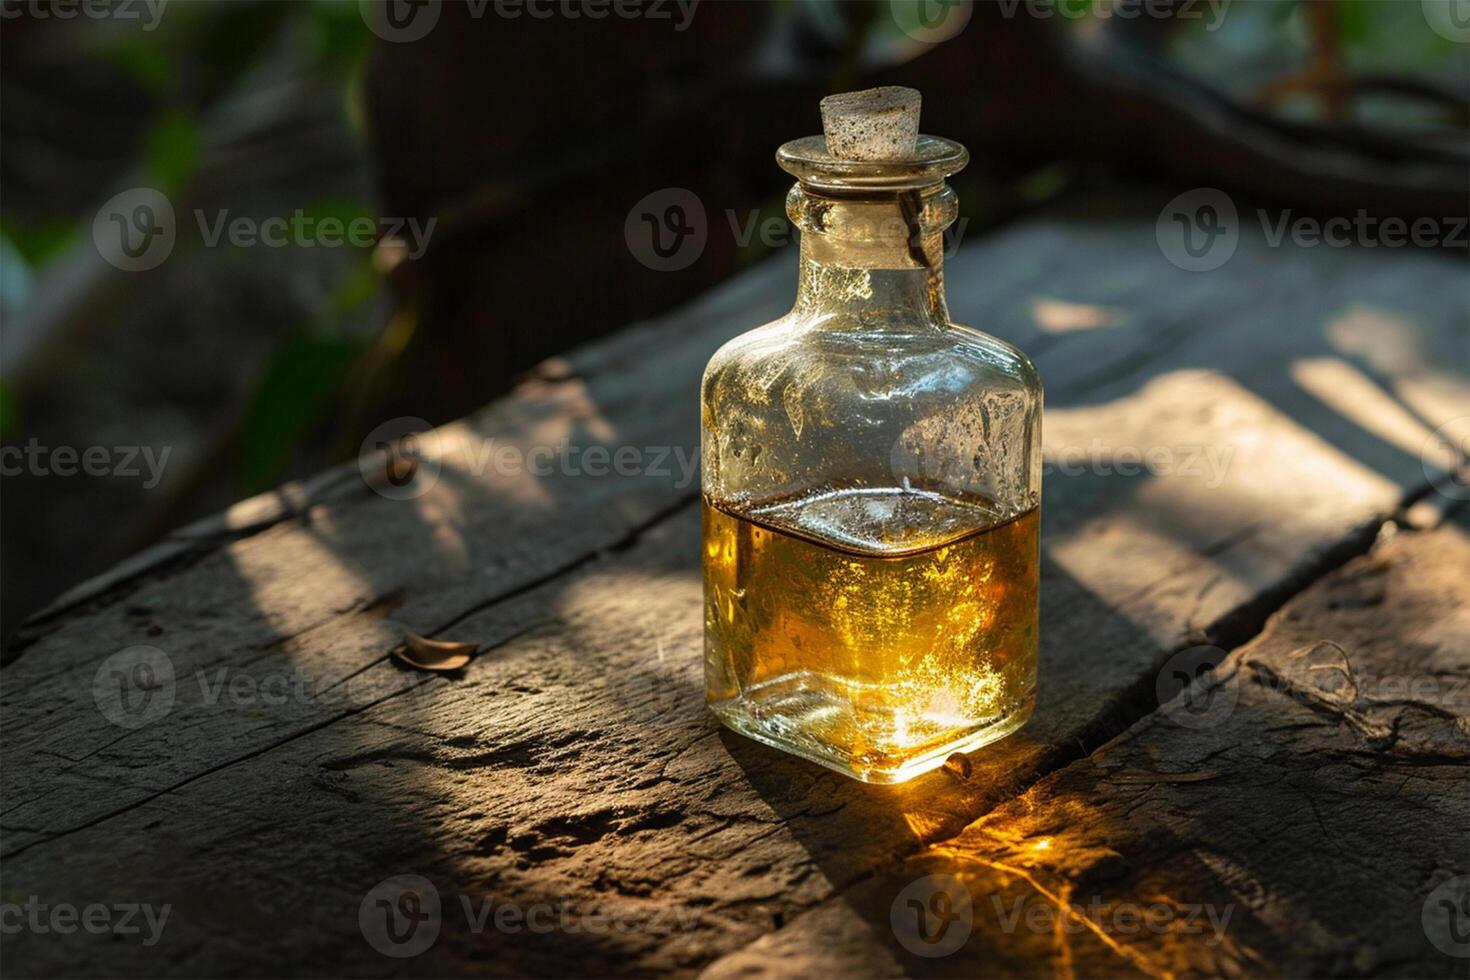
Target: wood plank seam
[628, 540]
[1255, 671]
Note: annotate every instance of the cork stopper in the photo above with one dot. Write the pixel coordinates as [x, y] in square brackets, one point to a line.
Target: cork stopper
[874, 124]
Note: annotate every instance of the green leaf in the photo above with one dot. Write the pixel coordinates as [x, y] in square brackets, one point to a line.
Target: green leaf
[39, 244]
[172, 150]
[298, 387]
[340, 33]
[1044, 183]
[1355, 21]
[355, 291]
[9, 411]
[343, 209]
[146, 62]
[357, 223]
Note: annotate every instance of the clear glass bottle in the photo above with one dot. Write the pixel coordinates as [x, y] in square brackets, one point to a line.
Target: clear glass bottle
[871, 482]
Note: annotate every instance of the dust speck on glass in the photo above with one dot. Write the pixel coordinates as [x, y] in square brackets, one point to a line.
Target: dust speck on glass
[871, 478]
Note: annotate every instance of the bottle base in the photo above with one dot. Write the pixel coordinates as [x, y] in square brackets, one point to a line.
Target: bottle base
[813, 717]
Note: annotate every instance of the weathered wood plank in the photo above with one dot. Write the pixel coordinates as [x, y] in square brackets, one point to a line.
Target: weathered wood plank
[1305, 813]
[575, 760]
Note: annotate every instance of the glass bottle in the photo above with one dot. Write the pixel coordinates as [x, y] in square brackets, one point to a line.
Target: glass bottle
[871, 478]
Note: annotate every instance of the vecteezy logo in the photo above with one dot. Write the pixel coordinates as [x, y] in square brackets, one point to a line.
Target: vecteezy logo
[392, 460]
[932, 916]
[1450, 19]
[1446, 916]
[134, 686]
[666, 231]
[1188, 692]
[930, 21]
[1448, 449]
[1198, 230]
[134, 230]
[400, 916]
[400, 21]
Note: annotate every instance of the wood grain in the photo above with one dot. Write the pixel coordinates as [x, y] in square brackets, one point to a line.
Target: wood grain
[1295, 817]
[573, 764]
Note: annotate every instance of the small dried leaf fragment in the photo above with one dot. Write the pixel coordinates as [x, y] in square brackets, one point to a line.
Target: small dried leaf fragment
[400, 468]
[436, 655]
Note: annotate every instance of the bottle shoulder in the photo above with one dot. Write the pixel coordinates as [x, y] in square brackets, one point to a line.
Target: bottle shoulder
[1004, 355]
[789, 412]
[953, 357]
[767, 340]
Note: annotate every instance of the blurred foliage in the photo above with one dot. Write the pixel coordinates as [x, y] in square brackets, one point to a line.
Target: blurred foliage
[311, 369]
[8, 412]
[199, 55]
[37, 244]
[172, 150]
[202, 52]
[148, 64]
[298, 387]
[1270, 36]
[1256, 44]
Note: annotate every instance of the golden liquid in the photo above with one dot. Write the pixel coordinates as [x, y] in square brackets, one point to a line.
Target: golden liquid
[826, 636]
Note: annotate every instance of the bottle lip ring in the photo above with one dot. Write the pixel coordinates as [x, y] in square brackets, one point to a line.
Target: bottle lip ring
[934, 159]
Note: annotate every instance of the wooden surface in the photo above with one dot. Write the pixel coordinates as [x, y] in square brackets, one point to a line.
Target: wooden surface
[1288, 399]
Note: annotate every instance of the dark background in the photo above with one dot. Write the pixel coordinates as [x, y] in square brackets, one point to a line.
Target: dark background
[529, 139]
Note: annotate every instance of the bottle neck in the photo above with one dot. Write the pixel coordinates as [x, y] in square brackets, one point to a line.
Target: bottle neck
[837, 295]
[874, 261]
